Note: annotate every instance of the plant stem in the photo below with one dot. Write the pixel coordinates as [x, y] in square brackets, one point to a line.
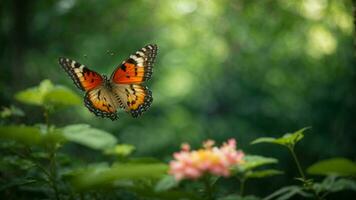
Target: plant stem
[242, 186]
[53, 172]
[46, 116]
[52, 158]
[291, 149]
[310, 187]
[208, 188]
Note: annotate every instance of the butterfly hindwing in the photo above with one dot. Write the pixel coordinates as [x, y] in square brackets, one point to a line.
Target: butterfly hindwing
[84, 78]
[134, 98]
[137, 68]
[102, 102]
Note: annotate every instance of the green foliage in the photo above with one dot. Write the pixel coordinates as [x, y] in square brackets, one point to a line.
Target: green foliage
[62, 96]
[335, 184]
[238, 197]
[309, 188]
[47, 94]
[166, 183]
[24, 134]
[91, 137]
[338, 166]
[79, 133]
[146, 177]
[329, 185]
[9, 162]
[287, 192]
[94, 177]
[248, 169]
[11, 111]
[30, 135]
[288, 140]
[122, 150]
[254, 161]
[263, 173]
[17, 182]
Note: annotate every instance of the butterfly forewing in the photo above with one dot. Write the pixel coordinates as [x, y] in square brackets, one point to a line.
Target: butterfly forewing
[84, 78]
[137, 68]
[98, 98]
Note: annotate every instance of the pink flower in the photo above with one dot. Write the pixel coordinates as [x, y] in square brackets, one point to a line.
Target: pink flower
[192, 164]
[185, 147]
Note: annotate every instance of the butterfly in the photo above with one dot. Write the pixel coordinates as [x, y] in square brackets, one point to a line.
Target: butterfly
[124, 89]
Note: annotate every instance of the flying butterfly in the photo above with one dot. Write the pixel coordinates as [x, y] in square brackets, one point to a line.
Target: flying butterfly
[124, 89]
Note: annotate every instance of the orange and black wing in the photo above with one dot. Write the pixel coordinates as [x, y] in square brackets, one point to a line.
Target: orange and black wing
[84, 78]
[137, 68]
[134, 98]
[98, 98]
[102, 102]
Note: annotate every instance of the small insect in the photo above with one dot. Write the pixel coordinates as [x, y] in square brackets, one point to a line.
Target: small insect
[123, 90]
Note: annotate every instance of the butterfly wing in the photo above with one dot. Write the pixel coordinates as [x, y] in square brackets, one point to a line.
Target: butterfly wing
[127, 78]
[137, 68]
[98, 98]
[84, 78]
[134, 98]
[102, 102]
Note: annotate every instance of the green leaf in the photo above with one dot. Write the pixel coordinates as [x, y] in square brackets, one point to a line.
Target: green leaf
[61, 96]
[338, 166]
[35, 95]
[148, 193]
[23, 134]
[47, 94]
[288, 140]
[263, 173]
[238, 197]
[15, 162]
[287, 192]
[144, 160]
[30, 135]
[93, 178]
[17, 182]
[166, 183]
[251, 162]
[335, 184]
[120, 150]
[91, 137]
[11, 111]
[254, 161]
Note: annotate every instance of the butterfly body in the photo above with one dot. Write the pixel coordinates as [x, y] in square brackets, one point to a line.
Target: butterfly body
[124, 89]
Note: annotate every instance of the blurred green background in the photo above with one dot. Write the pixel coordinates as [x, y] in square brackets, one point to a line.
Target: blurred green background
[241, 69]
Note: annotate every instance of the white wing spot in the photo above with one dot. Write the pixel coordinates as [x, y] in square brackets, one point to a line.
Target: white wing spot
[72, 64]
[76, 70]
[139, 60]
[140, 53]
[133, 57]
